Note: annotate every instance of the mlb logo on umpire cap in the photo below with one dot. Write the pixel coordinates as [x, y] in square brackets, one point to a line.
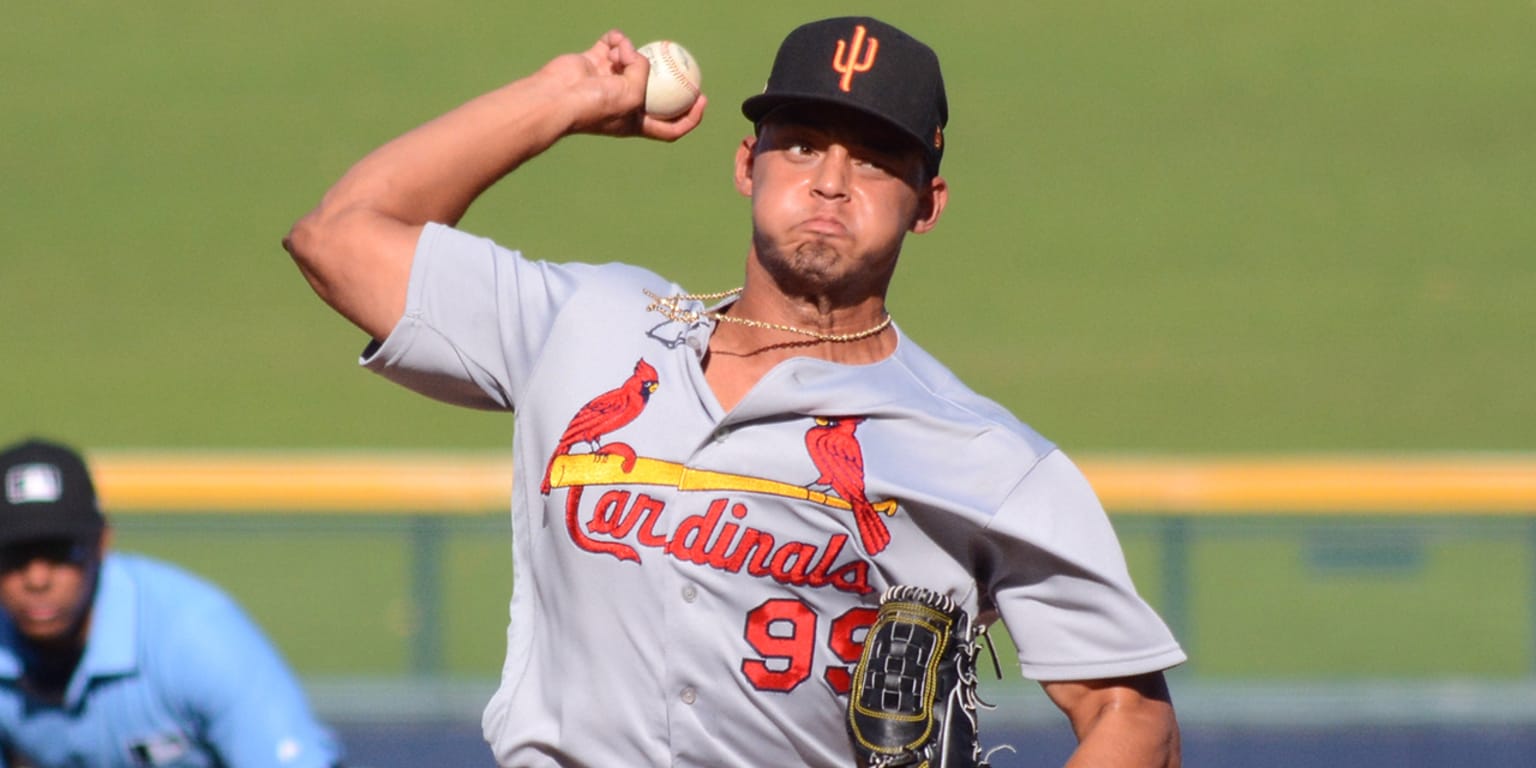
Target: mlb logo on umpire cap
[864, 64]
[47, 494]
[33, 483]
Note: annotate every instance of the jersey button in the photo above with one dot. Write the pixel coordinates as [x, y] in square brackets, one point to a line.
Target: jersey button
[690, 593]
[722, 433]
[689, 695]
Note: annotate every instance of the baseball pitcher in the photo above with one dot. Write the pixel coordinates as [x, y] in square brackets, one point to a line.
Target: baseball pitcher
[755, 526]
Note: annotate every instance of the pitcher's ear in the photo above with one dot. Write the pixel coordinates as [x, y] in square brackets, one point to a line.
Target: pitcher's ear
[746, 155]
[930, 205]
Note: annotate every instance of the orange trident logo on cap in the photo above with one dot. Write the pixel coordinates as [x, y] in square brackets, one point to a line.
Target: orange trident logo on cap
[846, 60]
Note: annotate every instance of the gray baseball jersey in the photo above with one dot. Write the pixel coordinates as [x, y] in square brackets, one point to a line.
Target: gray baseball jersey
[692, 585]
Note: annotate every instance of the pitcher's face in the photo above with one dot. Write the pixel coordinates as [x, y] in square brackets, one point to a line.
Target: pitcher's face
[834, 193]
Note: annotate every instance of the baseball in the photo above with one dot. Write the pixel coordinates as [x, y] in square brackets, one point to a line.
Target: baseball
[675, 79]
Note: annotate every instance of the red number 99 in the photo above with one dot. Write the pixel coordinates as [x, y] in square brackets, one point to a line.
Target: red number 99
[783, 632]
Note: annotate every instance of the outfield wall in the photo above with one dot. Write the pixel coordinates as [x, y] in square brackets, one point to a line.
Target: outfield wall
[1308, 589]
[473, 483]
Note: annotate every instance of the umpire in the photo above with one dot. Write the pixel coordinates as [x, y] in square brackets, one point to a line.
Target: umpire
[116, 660]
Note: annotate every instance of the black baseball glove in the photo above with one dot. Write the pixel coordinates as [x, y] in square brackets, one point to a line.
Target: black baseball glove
[913, 700]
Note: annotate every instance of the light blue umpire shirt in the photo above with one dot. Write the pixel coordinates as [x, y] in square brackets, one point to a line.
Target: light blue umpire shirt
[174, 675]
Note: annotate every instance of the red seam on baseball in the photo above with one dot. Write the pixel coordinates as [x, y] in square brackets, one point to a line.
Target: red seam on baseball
[676, 70]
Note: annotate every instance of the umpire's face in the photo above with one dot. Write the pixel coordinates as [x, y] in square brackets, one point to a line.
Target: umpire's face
[46, 587]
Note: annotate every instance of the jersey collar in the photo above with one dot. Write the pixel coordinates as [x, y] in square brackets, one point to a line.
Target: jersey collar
[111, 650]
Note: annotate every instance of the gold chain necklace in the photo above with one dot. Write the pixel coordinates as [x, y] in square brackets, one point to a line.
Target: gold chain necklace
[669, 307]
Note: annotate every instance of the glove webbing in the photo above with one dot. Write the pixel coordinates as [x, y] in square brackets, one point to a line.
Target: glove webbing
[917, 676]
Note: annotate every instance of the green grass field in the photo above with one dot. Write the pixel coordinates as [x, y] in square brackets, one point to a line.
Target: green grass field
[1332, 599]
[1186, 226]
[1189, 226]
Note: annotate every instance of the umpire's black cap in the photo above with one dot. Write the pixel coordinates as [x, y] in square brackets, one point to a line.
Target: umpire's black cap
[865, 64]
[47, 494]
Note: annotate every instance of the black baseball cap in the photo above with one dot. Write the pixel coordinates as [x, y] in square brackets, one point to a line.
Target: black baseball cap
[46, 493]
[864, 64]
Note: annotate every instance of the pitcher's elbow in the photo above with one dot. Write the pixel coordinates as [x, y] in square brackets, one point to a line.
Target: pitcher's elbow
[304, 242]
[300, 239]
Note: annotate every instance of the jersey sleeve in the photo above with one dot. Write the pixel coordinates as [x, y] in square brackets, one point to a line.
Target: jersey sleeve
[231, 679]
[1062, 587]
[476, 318]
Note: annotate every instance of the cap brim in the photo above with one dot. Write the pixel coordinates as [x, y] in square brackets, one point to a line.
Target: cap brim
[755, 108]
[41, 528]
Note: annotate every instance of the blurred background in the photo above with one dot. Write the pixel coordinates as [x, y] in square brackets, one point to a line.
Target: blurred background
[1190, 236]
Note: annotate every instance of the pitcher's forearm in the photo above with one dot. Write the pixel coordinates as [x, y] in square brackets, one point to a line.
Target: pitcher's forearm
[434, 172]
[1145, 737]
[1120, 723]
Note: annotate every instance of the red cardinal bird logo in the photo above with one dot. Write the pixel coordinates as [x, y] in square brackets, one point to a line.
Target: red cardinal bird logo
[837, 455]
[606, 413]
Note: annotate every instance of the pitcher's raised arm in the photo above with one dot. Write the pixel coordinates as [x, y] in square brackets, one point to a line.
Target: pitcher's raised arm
[356, 246]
